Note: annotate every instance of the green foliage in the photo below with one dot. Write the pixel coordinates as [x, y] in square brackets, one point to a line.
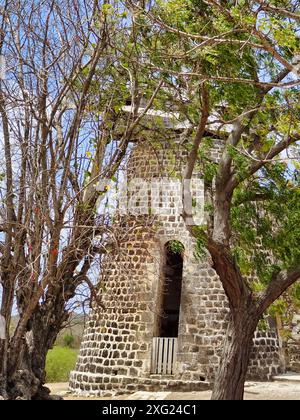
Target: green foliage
[240, 161]
[210, 171]
[107, 8]
[265, 221]
[242, 260]
[69, 340]
[176, 247]
[279, 307]
[60, 361]
[262, 325]
[200, 249]
[295, 294]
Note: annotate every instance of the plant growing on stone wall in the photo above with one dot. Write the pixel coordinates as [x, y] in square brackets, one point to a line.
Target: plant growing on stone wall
[176, 247]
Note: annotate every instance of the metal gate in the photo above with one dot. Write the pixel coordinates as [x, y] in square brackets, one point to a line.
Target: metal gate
[164, 353]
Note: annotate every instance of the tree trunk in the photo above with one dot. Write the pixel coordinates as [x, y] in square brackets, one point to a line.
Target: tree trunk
[231, 374]
[26, 381]
[3, 373]
[45, 329]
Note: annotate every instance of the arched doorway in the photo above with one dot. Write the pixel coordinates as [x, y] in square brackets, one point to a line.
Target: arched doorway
[164, 348]
[171, 289]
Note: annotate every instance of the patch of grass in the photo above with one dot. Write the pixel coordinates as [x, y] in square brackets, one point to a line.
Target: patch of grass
[60, 361]
[69, 341]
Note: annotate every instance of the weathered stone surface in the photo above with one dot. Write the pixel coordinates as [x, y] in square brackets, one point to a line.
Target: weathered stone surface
[265, 357]
[293, 345]
[131, 289]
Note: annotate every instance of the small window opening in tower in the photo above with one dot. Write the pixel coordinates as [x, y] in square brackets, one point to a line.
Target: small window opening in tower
[171, 289]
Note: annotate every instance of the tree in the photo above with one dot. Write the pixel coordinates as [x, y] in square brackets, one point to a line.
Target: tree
[227, 68]
[60, 106]
[230, 71]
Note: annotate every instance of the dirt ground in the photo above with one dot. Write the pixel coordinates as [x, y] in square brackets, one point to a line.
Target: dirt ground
[253, 391]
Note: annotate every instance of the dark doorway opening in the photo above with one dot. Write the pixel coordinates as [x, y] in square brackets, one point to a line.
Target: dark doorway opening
[171, 288]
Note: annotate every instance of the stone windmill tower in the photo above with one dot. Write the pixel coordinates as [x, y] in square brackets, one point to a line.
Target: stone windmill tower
[165, 309]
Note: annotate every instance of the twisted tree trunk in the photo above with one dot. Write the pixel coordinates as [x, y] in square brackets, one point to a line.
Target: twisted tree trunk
[232, 371]
[26, 380]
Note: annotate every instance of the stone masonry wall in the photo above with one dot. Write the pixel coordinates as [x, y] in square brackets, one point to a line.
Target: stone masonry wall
[293, 345]
[293, 353]
[265, 357]
[115, 353]
[116, 342]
